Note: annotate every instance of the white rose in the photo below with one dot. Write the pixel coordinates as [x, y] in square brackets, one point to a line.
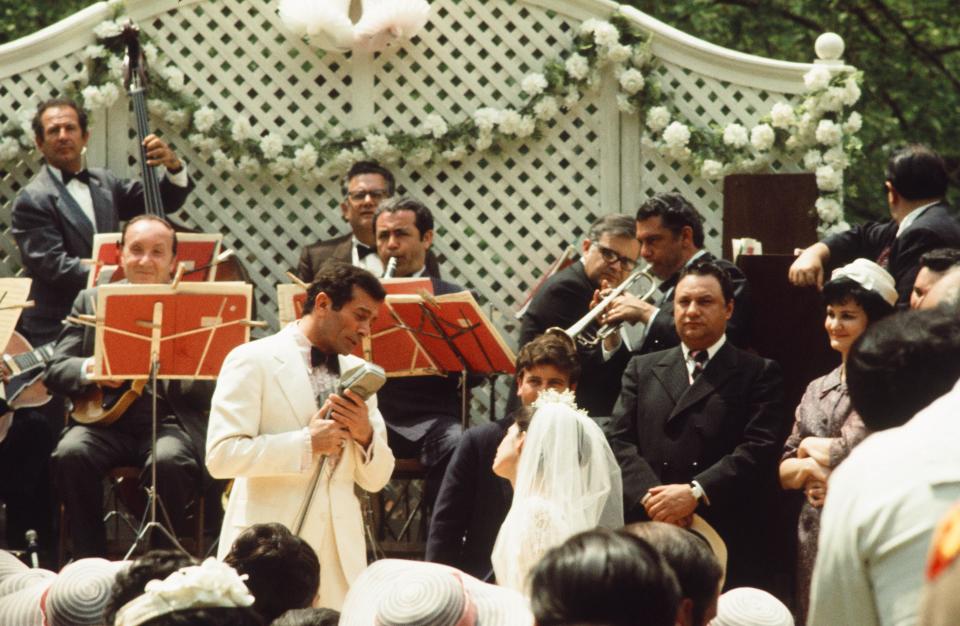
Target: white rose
[379, 148]
[631, 81]
[204, 118]
[829, 210]
[176, 118]
[248, 166]
[435, 125]
[812, 160]
[762, 137]
[105, 30]
[9, 149]
[618, 53]
[91, 97]
[487, 119]
[509, 122]
[271, 146]
[281, 167]
[457, 153]
[735, 135]
[419, 157]
[93, 52]
[641, 56]
[526, 126]
[305, 158]
[676, 135]
[828, 179]
[577, 67]
[836, 158]
[204, 145]
[791, 143]
[817, 78]
[588, 26]
[115, 67]
[484, 141]
[158, 107]
[831, 100]
[658, 118]
[546, 108]
[624, 104]
[679, 153]
[829, 133]
[781, 115]
[533, 84]
[175, 78]
[851, 91]
[606, 34]
[150, 53]
[221, 162]
[711, 170]
[853, 124]
[109, 93]
[572, 98]
[241, 130]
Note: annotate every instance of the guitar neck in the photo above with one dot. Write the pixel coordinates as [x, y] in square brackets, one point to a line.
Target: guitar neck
[151, 188]
[29, 360]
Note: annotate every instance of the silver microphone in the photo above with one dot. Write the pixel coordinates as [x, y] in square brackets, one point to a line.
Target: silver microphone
[391, 268]
[31, 537]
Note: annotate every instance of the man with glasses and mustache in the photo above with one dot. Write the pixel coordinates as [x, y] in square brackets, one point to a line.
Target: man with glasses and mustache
[609, 254]
[670, 233]
[365, 186]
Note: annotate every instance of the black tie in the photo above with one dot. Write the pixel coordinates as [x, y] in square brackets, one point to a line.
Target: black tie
[330, 361]
[83, 176]
[363, 250]
[699, 362]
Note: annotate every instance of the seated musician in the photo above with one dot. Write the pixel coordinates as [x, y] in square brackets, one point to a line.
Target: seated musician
[86, 452]
[473, 501]
[609, 254]
[422, 412]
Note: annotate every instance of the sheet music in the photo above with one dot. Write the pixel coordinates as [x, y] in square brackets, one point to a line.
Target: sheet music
[13, 292]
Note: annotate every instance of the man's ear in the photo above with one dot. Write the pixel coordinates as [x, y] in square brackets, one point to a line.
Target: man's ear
[344, 210]
[685, 612]
[519, 380]
[585, 246]
[729, 312]
[686, 235]
[427, 239]
[322, 302]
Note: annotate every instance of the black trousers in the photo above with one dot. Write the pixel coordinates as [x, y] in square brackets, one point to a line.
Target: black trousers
[84, 455]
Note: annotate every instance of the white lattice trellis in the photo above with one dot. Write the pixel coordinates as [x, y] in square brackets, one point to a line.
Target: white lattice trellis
[501, 219]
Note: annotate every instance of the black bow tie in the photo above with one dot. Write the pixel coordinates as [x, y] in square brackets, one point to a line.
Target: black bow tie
[83, 176]
[363, 250]
[330, 361]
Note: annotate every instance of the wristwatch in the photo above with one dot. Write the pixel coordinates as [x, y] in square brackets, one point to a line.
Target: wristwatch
[697, 491]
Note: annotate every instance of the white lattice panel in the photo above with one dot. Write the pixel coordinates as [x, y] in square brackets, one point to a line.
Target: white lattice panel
[501, 218]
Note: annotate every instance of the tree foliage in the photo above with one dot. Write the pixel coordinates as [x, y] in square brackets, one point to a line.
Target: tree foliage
[19, 18]
[909, 51]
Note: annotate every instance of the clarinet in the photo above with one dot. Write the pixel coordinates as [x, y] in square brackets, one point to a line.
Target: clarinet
[391, 268]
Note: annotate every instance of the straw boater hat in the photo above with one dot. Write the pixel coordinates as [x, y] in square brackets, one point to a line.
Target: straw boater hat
[393, 592]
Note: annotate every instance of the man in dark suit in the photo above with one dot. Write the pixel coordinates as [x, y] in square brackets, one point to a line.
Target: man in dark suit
[671, 237]
[423, 413]
[56, 215]
[698, 428]
[365, 186]
[85, 453]
[609, 254]
[473, 501]
[916, 183]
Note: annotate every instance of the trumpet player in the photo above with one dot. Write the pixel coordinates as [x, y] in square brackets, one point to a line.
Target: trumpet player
[609, 254]
[670, 234]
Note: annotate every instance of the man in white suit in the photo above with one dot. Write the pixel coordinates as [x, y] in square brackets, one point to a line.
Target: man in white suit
[267, 432]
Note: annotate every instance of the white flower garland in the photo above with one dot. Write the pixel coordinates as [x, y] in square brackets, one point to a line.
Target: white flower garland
[813, 133]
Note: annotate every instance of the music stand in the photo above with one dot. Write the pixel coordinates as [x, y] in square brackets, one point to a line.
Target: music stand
[170, 331]
[13, 300]
[451, 333]
[198, 253]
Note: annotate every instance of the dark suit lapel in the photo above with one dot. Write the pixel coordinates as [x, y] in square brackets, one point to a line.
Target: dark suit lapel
[69, 209]
[103, 206]
[672, 374]
[718, 370]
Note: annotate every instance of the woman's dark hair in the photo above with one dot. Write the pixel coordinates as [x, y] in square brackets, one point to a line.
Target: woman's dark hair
[283, 570]
[689, 556]
[210, 616]
[843, 290]
[129, 582]
[308, 617]
[604, 577]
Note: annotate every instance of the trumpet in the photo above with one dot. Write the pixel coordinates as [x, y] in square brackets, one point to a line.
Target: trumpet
[579, 331]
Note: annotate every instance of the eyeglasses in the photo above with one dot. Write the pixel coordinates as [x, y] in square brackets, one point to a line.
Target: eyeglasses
[376, 194]
[611, 256]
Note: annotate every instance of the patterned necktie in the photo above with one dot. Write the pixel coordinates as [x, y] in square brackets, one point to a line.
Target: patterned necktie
[884, 259]
[699, 362]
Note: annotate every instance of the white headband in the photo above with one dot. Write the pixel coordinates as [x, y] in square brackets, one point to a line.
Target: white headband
[210, 584]
[870, 276]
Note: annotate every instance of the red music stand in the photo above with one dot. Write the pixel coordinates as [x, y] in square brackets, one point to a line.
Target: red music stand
[197, 252]
[171, 331]
[449, 332]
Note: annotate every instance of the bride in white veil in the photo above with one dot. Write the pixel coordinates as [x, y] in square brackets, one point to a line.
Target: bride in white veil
[565, 481]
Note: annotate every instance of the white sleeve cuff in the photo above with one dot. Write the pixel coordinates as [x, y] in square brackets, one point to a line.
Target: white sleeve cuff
[180, 179]
[85, 367]
[306, 453]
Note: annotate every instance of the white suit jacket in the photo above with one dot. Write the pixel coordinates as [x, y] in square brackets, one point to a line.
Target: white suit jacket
[262, 401]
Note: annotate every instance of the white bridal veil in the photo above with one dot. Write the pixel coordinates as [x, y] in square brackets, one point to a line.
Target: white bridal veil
[568, 481]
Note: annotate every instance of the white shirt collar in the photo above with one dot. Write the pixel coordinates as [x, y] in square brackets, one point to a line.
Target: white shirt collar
[912, 216]
[711, 351]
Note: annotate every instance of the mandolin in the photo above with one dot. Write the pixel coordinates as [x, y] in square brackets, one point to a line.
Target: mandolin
[105, 405]
[22, 366]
